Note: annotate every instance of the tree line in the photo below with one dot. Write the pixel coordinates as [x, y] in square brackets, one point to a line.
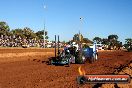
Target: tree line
[113, 42]
[25, 33]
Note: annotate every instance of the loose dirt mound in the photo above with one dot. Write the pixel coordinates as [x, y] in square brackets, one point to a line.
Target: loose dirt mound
[27, 68]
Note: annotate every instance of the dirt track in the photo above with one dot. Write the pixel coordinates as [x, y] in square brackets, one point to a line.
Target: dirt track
[27, 68]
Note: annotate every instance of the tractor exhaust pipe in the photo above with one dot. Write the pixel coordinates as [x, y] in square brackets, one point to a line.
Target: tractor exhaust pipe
[58, 45]
[55, 46]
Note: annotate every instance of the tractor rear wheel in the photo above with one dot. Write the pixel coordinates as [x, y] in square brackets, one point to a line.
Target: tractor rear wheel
[91, 60]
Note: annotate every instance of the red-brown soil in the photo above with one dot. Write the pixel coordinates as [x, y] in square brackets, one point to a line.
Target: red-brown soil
[27, 68]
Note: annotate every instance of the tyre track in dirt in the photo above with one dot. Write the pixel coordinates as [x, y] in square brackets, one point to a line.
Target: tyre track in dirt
[123, 69]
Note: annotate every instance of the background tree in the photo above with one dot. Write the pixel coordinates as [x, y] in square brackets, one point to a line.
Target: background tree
[78, 37]
[112, 40]
[112, 37]
[4, 28]
[97, 39]
[18, 33]
[40, 34]
[118, 45]
[86, 40]
[28, 33]
[46, 35]
[128, 43]
[105, 41]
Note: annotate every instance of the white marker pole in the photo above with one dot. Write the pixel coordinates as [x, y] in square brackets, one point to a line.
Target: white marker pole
[44, 26]
[44, 37]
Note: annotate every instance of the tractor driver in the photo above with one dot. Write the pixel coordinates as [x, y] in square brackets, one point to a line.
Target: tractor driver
[72, 50]
[66, 50]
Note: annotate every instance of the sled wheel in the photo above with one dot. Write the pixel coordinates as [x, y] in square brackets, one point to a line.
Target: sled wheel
[50, 62]
[68, 64]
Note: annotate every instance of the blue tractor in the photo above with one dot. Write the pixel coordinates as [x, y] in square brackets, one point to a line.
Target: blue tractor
[72, 55]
